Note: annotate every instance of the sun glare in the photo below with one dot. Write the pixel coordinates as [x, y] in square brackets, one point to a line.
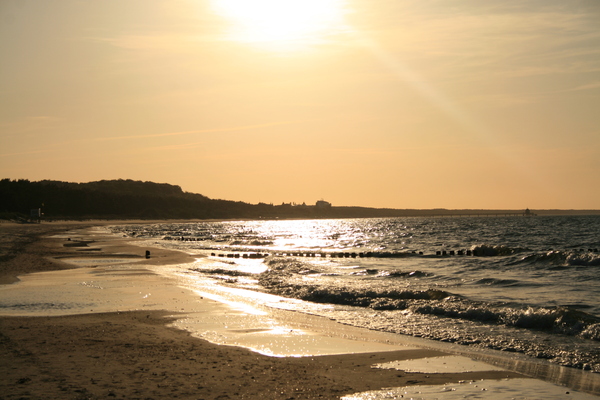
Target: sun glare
[279, 21]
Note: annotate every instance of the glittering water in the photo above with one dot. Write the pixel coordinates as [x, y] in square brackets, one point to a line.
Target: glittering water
[519, 284]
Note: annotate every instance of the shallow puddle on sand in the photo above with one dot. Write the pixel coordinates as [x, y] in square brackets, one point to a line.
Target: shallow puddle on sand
[436, 365]
[108, 288]
[505, 389]
[90, 261]
[227, 318]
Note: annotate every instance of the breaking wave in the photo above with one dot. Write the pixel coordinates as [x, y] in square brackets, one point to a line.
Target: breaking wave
[485, 250]
[220, 271]
[284, 277]
[562, 259]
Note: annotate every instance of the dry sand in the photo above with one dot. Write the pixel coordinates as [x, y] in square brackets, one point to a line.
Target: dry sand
[141, 355]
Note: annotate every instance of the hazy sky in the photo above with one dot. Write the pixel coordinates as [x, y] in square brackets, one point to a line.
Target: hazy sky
[379, 103]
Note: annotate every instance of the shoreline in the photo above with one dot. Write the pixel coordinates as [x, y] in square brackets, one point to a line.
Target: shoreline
[134, 355]
[141, 354]
[23, 251]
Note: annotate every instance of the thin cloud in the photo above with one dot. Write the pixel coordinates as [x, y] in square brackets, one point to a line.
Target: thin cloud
[182, 133]
[29, 124]
[24, 153]
[589, 86]
[514, 41]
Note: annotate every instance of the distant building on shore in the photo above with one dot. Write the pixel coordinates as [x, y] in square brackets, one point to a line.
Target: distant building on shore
[322, 205]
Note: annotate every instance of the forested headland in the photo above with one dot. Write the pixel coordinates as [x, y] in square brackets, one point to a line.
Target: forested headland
[129, 199]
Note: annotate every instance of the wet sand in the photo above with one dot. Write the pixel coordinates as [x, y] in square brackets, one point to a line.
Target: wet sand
[133, 355]
[139, 353]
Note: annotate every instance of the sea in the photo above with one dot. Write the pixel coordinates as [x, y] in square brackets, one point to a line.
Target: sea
[517, 284]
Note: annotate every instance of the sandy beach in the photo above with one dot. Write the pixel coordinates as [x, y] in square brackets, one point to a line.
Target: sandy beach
[133, 346]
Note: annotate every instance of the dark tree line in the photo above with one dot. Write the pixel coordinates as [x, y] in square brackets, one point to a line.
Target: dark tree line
[111, 199]
[128, 199]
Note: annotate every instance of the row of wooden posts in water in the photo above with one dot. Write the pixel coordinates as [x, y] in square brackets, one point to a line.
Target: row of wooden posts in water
[369, 254]
[322, 255]
[343, 255]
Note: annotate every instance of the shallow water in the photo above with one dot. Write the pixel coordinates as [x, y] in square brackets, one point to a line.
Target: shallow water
[508, 389]
[529, 285]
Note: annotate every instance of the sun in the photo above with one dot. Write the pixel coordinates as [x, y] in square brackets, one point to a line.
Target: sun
[278, 21]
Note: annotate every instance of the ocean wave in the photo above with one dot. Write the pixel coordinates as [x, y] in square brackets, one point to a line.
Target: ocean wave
[560, 258]
[403, 274]
[486, 250]
[377, 300]
[389, 274]
[591, 332]
[498, 282]
[365, 272]
[221, 271]
[559, 320]
[282, 267]
[583, 259]
[283, 277]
